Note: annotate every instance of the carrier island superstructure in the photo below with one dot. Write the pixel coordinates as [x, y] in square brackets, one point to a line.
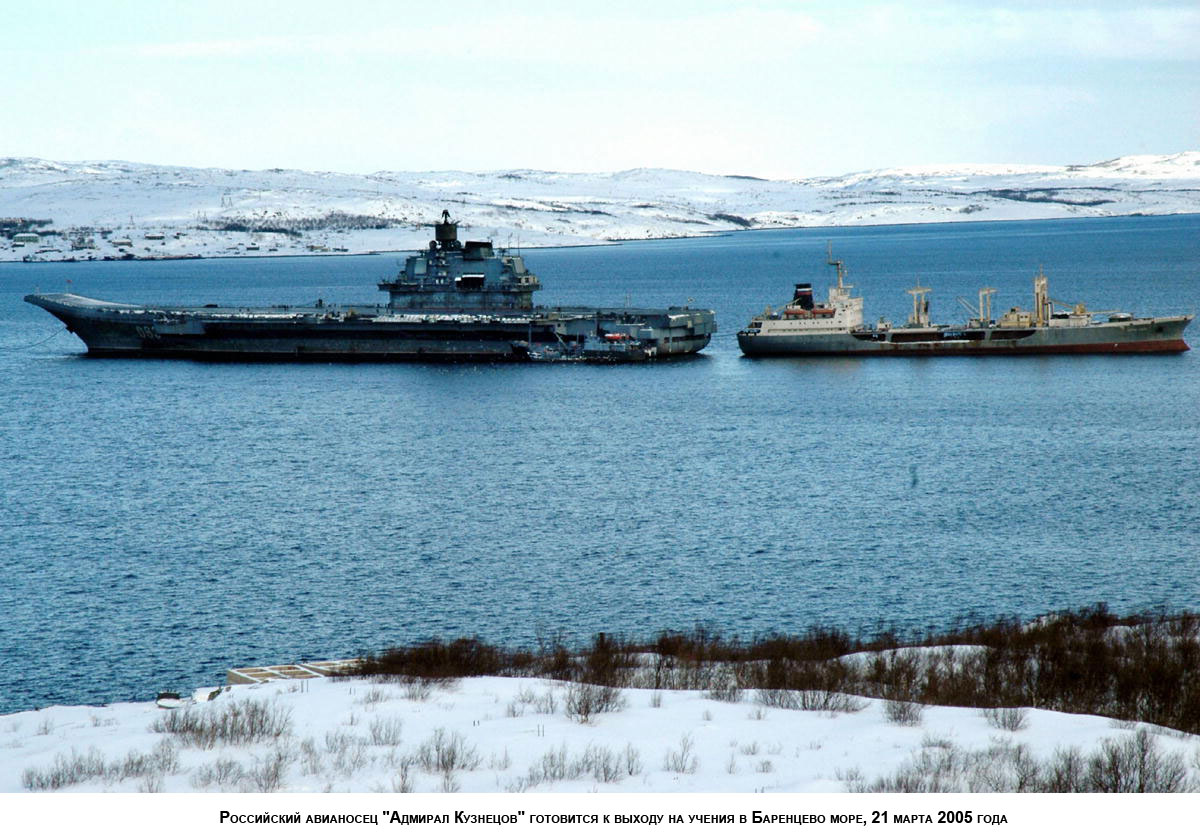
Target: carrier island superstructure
[451, 301]
[836, 327]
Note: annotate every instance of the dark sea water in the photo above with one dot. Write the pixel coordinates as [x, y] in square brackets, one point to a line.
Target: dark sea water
[164, 520]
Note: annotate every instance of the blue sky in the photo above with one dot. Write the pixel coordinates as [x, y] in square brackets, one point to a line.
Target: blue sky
[776, 89]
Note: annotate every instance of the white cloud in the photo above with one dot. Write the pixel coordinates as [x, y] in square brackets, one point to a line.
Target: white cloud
[919, 32]
[615, 42]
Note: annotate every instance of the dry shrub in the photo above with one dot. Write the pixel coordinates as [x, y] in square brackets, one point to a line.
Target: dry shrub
[438, 660]
[269, 771]
[585, 700]
[682, 759]
[1008, 719]
[225, 773]
[240, 722]
[385, 732]
[903, 712]
[1132, 765]
[809, 701]
[601, 763]
[1144, 668]
[1136, 765]
[446, 753]
[77, 768]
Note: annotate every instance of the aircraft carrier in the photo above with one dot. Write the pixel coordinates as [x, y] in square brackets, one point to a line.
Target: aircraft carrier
[451, 301]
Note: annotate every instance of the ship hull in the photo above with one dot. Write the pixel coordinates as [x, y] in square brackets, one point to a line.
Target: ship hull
[371, 333]
[1145, 335]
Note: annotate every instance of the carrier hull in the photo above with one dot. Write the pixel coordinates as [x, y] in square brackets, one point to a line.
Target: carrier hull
[375, 333]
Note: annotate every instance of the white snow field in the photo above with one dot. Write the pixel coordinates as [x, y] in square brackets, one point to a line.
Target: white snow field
[498, 735]
[101, 209]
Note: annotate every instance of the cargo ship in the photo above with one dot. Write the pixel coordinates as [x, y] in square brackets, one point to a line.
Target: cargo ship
[452, 301]
[836, 327]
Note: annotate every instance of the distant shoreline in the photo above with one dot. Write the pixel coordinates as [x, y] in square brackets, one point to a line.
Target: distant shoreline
[70, 260]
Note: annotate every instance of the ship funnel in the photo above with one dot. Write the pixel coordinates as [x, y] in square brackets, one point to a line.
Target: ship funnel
[803, 297]
[446, 231]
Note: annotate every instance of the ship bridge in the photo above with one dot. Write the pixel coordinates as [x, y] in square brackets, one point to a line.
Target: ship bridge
[451, 275]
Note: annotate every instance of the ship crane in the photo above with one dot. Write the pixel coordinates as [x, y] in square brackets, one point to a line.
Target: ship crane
[984, 313]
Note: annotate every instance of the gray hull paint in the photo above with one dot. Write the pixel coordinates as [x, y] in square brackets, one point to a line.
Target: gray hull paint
[1143, 335]
[360, 333]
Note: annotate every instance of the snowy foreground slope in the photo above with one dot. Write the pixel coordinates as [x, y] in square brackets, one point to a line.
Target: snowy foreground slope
[494, 734]
[93, 210]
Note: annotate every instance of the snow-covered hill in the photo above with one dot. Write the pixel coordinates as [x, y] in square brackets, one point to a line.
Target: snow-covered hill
[89, 210]
[496, 735]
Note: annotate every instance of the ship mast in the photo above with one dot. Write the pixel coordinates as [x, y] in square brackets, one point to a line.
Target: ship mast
[920, 316]
[843, 288]
[985, 304]
[1041, 299]
[841, 268]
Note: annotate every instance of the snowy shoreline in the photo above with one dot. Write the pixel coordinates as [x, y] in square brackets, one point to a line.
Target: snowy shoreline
[1076, 701]
[504, 734]
[97, 210]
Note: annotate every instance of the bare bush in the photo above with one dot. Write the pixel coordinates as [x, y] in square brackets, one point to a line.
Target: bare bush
[151, 784]
[1131, 765]
[554, 765]
[1070, 662]
[851, 777]
[77, 768]
[162, 760]
[810, 701]
[602, 764]
[269, 771]
[445, 753]
[224, 773]
[418, 689]
[66, 771]
[683, 759]
[1136, 765]
[902, 712]
[1008, 719]
[1065, 772]
[585, 699]
[633, 760]
[336, 741]
[374, 697]
[348, 757]
[385, 732]
[402, 781]
[240, 722]
[723, 686]
[929, 771]
[310, 760]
